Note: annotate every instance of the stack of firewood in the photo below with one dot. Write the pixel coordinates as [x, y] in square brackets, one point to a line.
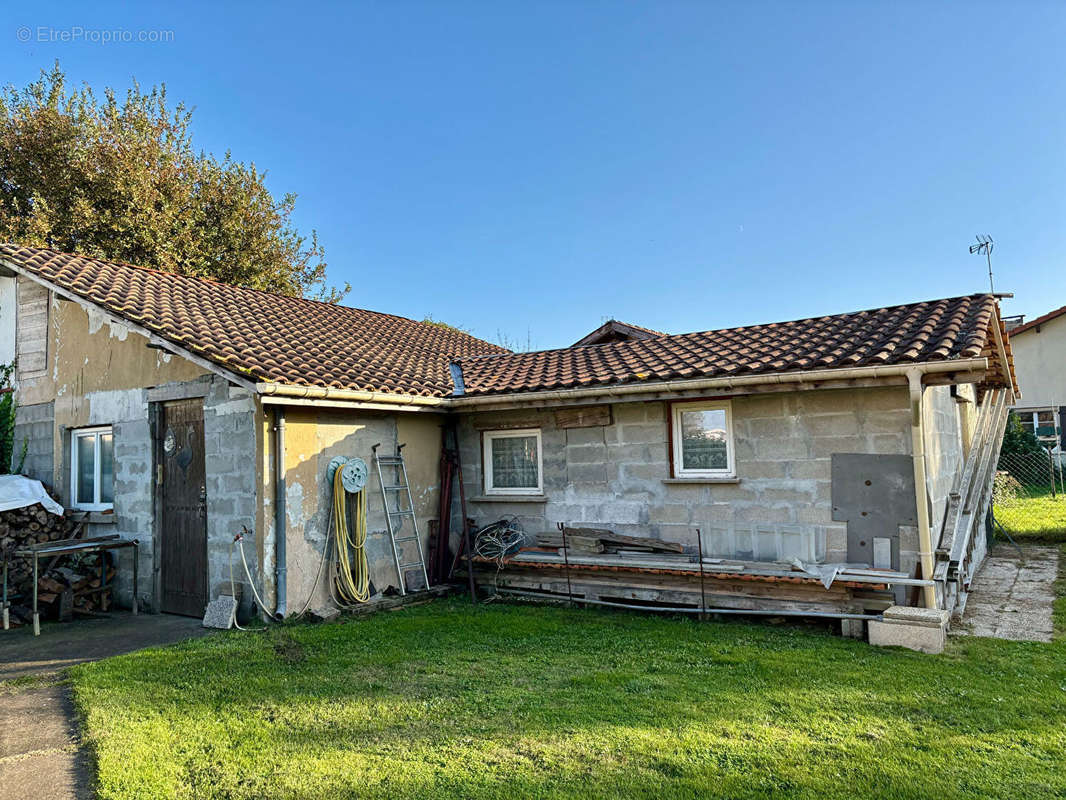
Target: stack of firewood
[65, 584]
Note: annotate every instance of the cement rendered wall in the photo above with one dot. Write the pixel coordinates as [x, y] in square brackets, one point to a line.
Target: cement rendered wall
[99, 373]
[312, 437]
[618, 476]
[1040, 364]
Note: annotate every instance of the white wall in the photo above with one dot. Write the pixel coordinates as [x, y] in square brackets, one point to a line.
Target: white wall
[1040, 363]
[7, 320]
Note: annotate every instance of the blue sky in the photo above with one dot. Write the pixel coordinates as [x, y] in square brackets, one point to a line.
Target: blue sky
[534, 168]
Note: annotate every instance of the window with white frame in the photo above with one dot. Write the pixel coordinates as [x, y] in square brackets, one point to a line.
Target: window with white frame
[513, 462]
[703, 440]
[92, 469]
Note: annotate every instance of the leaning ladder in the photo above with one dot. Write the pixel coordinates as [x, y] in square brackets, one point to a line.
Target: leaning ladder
[394, 516]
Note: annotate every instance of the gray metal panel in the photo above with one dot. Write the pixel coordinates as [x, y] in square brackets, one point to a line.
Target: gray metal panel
[874, 494]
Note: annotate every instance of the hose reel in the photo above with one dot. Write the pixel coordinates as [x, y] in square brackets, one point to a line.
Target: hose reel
[351, 579]
[354, 472]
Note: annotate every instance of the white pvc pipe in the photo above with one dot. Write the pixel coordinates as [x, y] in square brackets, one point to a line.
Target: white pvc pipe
[921, 496]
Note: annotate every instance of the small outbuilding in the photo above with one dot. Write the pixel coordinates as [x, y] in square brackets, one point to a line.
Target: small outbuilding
[837, 465]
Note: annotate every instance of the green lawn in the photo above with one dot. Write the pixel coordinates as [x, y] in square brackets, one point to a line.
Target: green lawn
[443, 700]
[1034, 515]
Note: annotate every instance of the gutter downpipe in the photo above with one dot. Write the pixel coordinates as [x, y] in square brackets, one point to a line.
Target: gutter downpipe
[921, 493]
[279, 514]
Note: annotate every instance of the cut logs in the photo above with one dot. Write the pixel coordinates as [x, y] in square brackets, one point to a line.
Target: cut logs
[66, 584]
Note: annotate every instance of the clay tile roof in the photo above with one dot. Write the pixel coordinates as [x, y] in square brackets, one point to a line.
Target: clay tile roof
[937, 330]
[262, 336]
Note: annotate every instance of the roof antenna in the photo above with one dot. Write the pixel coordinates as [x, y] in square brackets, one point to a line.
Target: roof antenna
[984, 247]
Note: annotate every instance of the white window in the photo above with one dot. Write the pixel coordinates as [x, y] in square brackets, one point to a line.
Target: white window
[512, 462]
[92, 469]
[703, 440]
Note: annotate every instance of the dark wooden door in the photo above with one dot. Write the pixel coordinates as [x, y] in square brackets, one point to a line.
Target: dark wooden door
[183, 545]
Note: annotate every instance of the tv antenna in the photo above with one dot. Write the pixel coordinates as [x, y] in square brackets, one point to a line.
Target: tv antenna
[984, 247]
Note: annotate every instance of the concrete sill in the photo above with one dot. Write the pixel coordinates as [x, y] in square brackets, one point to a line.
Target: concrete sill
[727, 481]
[509, 498]
[99, 518]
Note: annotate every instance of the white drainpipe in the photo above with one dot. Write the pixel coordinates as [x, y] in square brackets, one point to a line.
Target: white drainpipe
[921, 494]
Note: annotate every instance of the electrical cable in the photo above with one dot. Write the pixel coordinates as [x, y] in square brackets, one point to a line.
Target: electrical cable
[497, 540]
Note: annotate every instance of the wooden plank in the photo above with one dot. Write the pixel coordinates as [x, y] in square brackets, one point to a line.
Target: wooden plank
[583, 417]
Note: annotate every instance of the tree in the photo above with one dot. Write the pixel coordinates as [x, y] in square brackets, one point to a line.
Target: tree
[7, 423]
[1017, 440]
[120, 180]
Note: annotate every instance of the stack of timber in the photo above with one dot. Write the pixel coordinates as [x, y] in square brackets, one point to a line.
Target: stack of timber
[588, 541]
[66, 584]
[600, 565]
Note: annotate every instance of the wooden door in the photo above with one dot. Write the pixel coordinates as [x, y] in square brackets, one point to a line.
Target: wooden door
[183, 540]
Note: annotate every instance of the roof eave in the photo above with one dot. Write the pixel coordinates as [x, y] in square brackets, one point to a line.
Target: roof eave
[969, 370]
[153, 338]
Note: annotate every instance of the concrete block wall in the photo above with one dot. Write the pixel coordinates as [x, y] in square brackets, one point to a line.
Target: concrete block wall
[943, 449]
[230, 461]
[618, 476]
[34, 426]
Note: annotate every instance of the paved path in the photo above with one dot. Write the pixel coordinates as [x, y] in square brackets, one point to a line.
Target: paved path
[40, 754]
[1012, 597]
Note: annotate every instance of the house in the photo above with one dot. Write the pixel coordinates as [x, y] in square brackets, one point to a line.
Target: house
[179, 410]
[1040, 356]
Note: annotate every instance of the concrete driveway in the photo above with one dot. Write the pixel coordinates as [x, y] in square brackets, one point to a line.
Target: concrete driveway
[40, 751]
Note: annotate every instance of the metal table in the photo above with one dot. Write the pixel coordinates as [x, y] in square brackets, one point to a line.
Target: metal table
[64, 547]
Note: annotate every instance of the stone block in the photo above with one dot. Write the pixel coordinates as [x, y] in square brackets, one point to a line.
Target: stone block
[584, 436]
[586, 454]
[670, 513]
[922, 629]
[587, 473]
[647, 433]
[842, 424]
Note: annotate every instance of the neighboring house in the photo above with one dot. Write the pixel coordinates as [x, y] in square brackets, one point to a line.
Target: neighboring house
[1039, 348]
[177, 410]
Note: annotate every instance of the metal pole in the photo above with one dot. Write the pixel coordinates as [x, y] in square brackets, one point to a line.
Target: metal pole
[7, 621]
[462, 510]
[754, 612]
[136, 558]
[566, 564]
[1051, 469]
[703, 591]
[36, 616]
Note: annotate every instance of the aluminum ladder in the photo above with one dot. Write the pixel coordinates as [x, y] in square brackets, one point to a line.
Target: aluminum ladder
[395, 516]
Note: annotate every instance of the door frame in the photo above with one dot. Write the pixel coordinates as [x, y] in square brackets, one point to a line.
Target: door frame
[157, 398]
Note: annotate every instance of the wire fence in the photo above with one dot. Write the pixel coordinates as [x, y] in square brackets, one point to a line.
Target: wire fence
[1029, 494]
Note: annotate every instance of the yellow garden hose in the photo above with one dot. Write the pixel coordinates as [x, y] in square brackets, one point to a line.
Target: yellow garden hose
[352, 579]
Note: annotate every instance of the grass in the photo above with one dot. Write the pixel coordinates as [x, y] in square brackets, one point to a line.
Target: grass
[1034, 515]
[446, 700]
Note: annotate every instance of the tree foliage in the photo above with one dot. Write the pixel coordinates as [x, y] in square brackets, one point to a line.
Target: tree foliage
[1017, 440]
[7, 421]
[120, 179]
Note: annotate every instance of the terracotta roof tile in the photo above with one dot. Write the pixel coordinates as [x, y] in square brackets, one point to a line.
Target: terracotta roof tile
[938, 330]
[263, 336]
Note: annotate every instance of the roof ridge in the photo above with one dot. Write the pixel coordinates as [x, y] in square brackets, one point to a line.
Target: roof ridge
[675, 336]
[224, 284]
